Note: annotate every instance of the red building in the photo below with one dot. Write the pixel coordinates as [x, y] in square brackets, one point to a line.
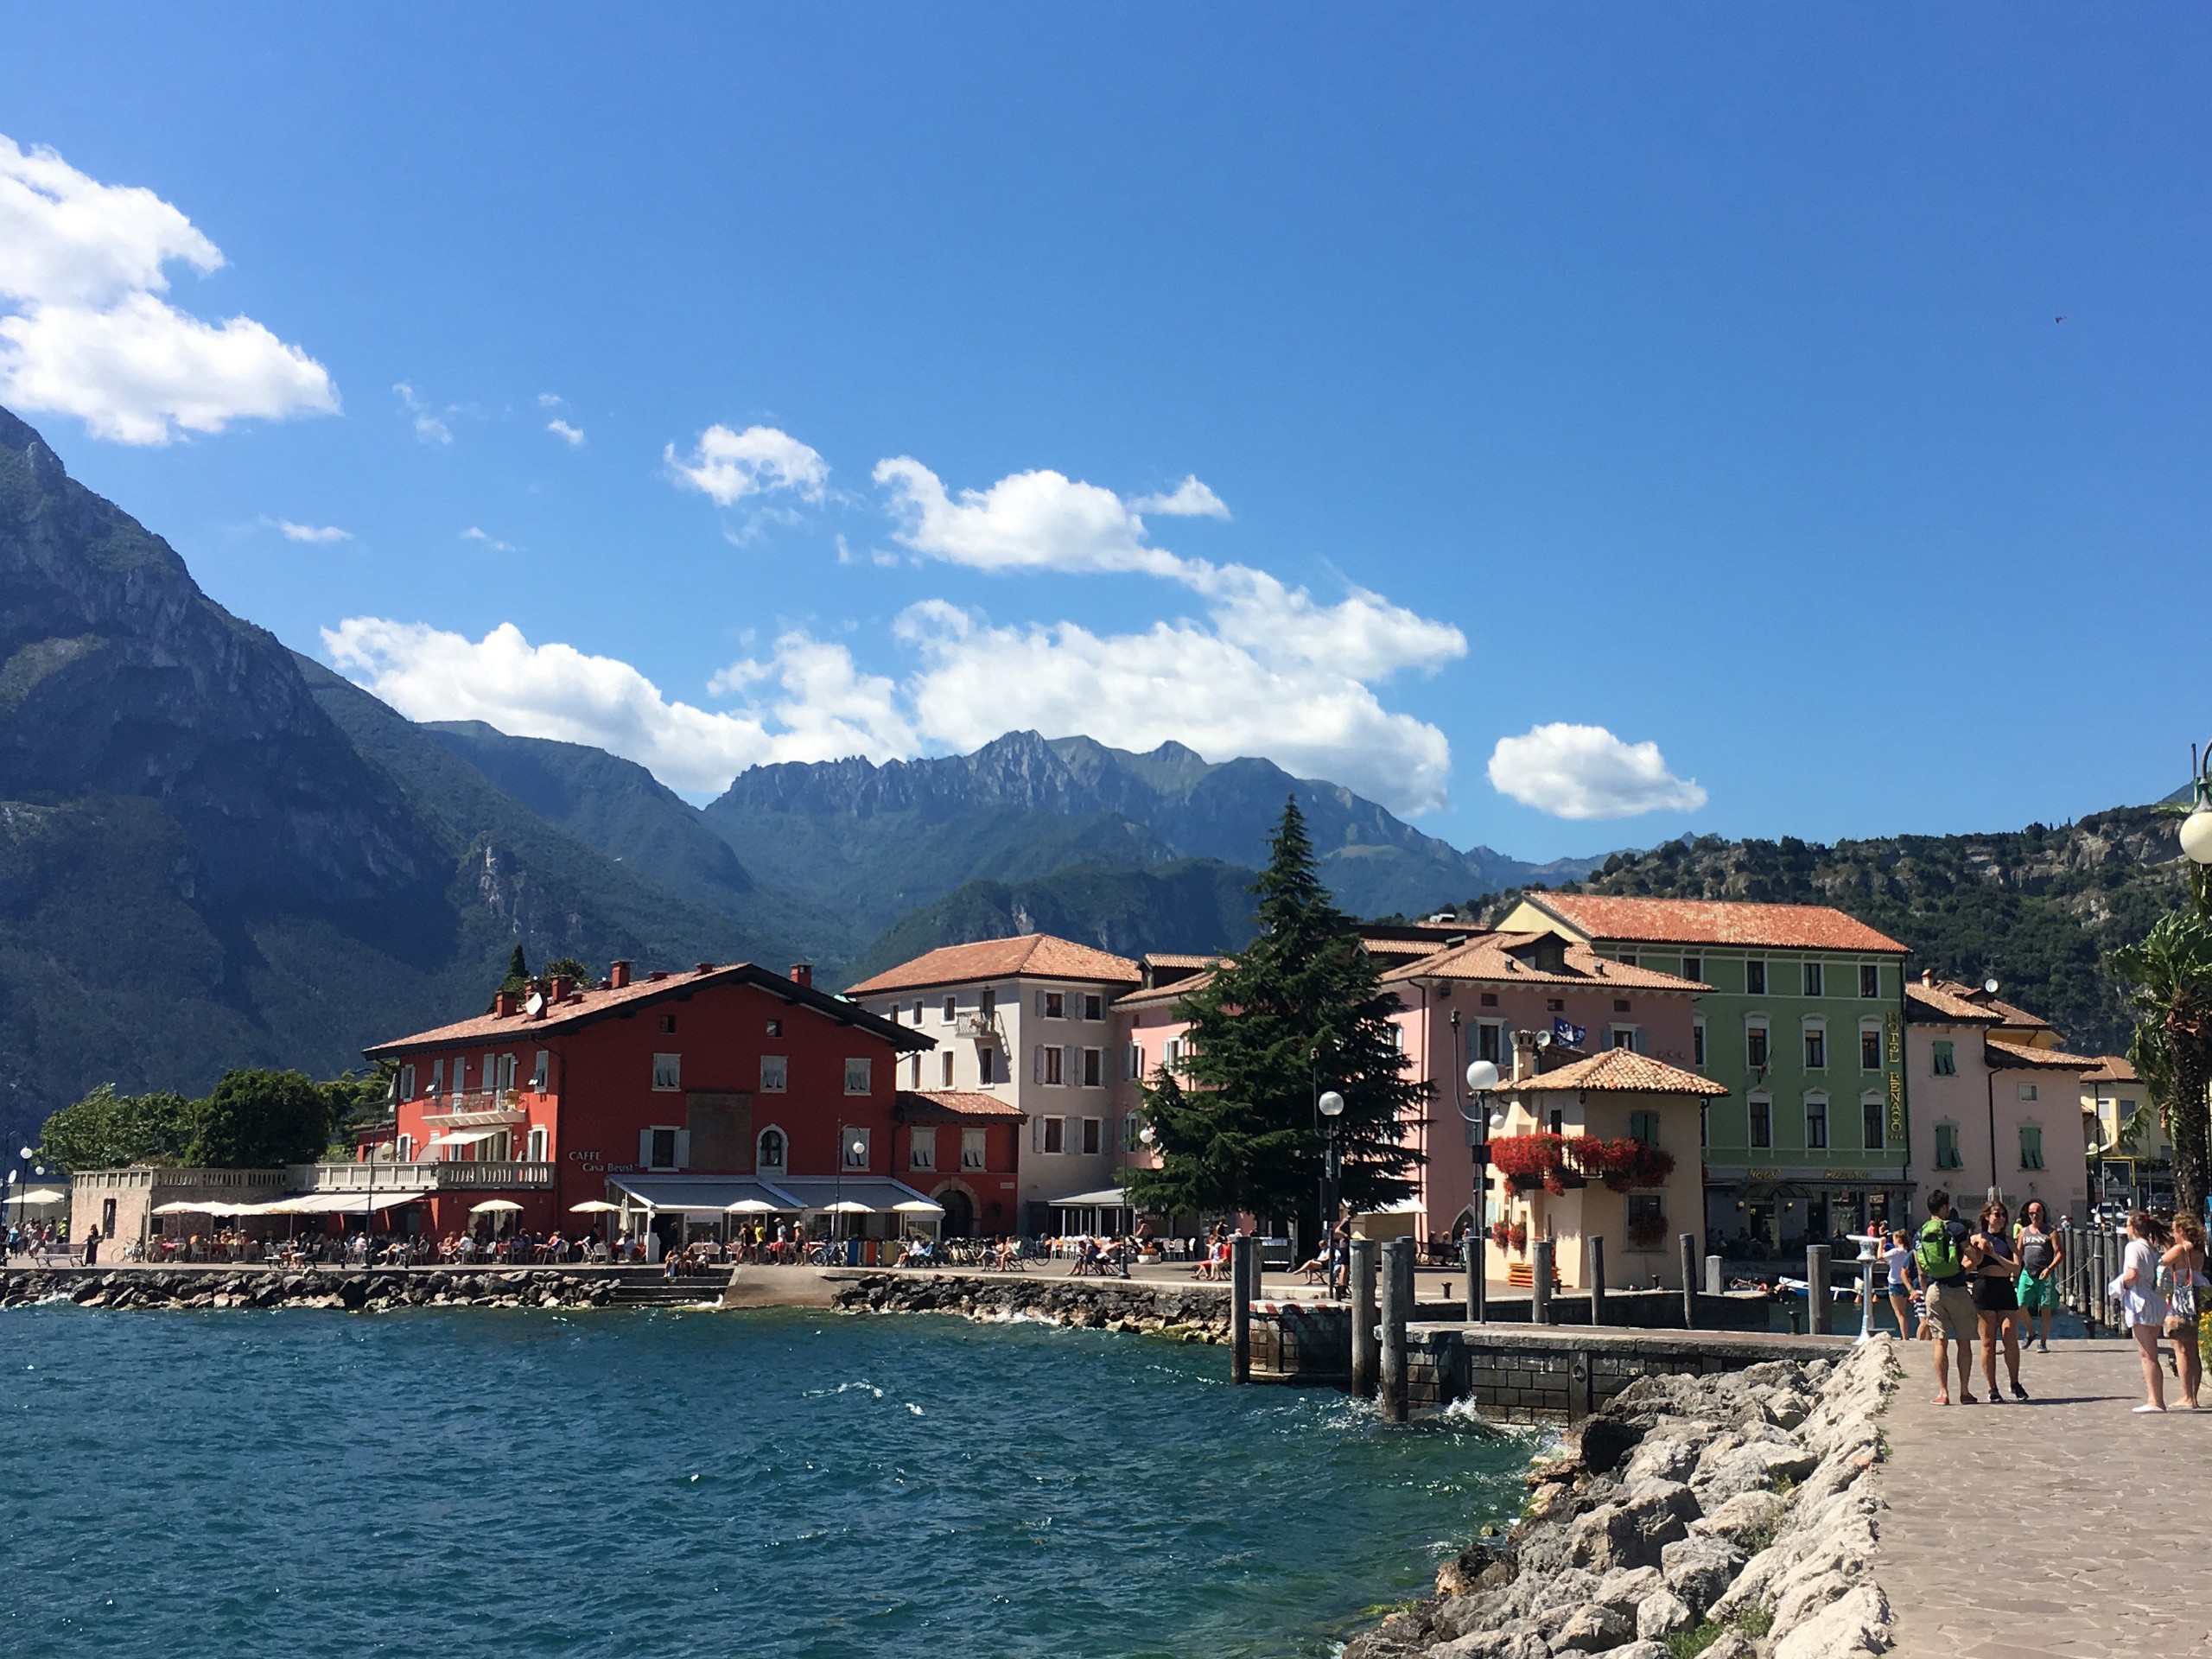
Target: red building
[963, 1148]
[672, 1094]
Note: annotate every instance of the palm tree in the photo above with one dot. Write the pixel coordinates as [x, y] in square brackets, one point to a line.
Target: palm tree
[2168, 977]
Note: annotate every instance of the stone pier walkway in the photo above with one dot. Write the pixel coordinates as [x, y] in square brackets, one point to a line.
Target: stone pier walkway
[2064, 1528]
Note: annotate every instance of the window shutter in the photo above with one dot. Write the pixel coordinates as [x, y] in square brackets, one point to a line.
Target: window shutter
[1037, 1134]
[645, 1148]
[683, 1148]
[1041, 1005]
[1071, 1061]
[1037, 1063]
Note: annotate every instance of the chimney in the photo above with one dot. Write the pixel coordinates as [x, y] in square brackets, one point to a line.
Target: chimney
[560, 989]
[706, 967]
[803, 973]
[1524, 1054]
[618, 974]
[1928, 978]
[504, 1005]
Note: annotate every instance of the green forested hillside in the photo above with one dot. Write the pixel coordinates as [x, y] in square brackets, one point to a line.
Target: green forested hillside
[2036, 909]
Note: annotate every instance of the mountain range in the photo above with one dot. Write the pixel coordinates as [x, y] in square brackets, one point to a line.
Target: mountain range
[216, 852]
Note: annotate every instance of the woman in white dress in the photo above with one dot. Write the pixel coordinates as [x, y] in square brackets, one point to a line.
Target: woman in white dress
[2142, 1309]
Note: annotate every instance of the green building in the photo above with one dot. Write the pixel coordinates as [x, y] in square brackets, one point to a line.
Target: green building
[1804, 1024]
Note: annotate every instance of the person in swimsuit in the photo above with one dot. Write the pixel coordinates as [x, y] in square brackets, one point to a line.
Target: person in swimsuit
[2041, 1253]
[1990, 1266]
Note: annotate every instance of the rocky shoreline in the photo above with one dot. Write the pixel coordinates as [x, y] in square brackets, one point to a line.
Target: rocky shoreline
[1729, 1516]
[356, 1290]
[1178, 1313]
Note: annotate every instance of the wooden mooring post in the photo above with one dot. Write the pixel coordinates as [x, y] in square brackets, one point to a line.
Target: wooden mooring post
[1363, 1340]
[1689, 1280]
[1242, 1283]
[1397, 1308]
[1819, 1311]
[1597, 1279]
[1546, 1252]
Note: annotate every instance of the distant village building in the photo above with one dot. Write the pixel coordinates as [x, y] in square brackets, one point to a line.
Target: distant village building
[2131, 1160]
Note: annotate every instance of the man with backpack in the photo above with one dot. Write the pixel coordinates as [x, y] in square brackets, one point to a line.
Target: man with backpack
[1940, 1254]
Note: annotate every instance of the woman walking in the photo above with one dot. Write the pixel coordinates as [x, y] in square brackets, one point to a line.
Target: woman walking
[1899, 1259]
[2184, 1261]
[1992, 1264]
[2041, 1253]
[2141, 1308]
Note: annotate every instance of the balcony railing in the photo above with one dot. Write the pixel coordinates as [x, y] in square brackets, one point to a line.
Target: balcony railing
[982, 1027]
[435, 1175]
[484, 1110]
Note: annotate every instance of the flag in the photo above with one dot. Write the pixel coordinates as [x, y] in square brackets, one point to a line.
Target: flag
[1564, 1032]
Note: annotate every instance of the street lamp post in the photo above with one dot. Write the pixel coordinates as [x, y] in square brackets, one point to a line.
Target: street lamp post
[1330, 1106]
[1480, 1079]
[2196, 828]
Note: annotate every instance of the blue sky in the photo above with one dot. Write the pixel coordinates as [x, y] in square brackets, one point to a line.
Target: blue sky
[1584, 380]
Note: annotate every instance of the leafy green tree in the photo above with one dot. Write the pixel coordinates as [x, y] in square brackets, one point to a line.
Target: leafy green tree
[255, 1119]
[356, 1103]
[2169, 976]
[570, 969]
[1301, 1006]
[106, 1130]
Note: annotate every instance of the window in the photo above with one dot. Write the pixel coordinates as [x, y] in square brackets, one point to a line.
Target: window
[1051, 1065]
[1554, 1006]
[914, 1078]
[407, 1083]
[2127, 1111]
[1132, 1133]
[1693, 968]
[951, 1010]
[1945, 1066]
[668, 1071]
[1056, 1134]
[775, 1027]
[859, 1075]
[1813, 979]
[2027, 1091]
[437, 1077]
[1093, 1134]
[972, 1148]
[1644, 1127]
[1762, 1121]
[1094, 1068]
[1174, 1059]
[945, 1067]
[1053, 1005]
[1755, 978]
[2031, 1146]
[406, 1148]
[506, 1072]
[1093, 1006]
[1133, 1061]
[536, 1154]
[987, 1066]
[987, 1002]
[1624, 1037]
[1489, 1041]
[1490, 998]
[774, 1151]
[1620, 1005]
[1947, 1145]
[1628, 958]
[668, 1024]
[1647, 1217]
[918, 1012]
[856, 1144]
[921, 1149]
[1754, 1042]
[661, 1149]
[1870, 980]
[1870, 1048]
[1558, 1122]
[775, 1073]
[1816, 1121]
[541, 1072]
[1816, 1048]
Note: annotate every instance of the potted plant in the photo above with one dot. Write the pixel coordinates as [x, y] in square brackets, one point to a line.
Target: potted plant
[1647, 1230]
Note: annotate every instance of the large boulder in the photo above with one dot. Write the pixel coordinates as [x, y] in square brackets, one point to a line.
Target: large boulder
[1700, 1568]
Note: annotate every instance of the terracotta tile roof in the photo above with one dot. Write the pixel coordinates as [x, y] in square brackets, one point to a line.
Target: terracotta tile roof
[1167, 995]
[1619, 1070]
[1403, 947]
[2006, 1057]
[1934, 1005]
[2111, 1068]
[1040, 955]
[1715, 921]
[1179, 959]
[1954, 995]
[926, 1104]
[581, 1008]
[1490, 958]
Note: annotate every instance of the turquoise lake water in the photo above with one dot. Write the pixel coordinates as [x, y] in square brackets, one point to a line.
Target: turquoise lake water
[463, 1482]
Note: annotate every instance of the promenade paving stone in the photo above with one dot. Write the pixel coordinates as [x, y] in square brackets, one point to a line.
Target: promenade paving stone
[2066, 1528]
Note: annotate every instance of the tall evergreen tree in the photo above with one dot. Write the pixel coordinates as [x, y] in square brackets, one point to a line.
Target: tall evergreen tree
[518, 977]
[1301, 1006]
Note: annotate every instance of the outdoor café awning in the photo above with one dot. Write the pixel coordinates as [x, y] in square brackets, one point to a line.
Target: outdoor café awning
[878, 1192]
[336, 1203]
[461, 1138]
[701, 1195]
[1106, 1197]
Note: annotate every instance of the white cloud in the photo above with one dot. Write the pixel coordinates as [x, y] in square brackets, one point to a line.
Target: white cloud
[1028, 521]
[1585, 772]
[1189, 499]
[429, 423]
[293, 532]
[572, 436]
[474, 534]
[827, 708]
[1177, 680]
[549, 400]
[728, 466]
[83, 330]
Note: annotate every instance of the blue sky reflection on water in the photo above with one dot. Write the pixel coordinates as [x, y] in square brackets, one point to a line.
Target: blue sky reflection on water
[660, 1484]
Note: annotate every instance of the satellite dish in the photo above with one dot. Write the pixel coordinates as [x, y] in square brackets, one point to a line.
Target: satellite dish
[1543, 1040]
[1989, 985]
[536, 1006]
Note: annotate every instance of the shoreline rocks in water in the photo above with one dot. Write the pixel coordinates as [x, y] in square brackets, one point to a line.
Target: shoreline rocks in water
[1186, 1313]
[1731, 1513]
[354, 1289]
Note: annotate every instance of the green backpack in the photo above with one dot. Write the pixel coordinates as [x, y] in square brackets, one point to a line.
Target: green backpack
[1940, 1255]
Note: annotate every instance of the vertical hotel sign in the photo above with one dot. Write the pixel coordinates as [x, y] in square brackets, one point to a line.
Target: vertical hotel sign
[1894, 1048]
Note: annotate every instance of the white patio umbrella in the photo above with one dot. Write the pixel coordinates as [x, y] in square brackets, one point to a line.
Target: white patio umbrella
[39, 1197]
[918, 1207]
[492, 1204]
[749, 1207]
[850, 1207]
[592, 1207]
[181, 1208]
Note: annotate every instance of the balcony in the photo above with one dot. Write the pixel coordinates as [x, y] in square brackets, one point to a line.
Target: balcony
[486, 1110]
[434, 1176]
[982, 1027]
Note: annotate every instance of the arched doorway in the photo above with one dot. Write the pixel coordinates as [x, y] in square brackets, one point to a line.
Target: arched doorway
[959, 1213]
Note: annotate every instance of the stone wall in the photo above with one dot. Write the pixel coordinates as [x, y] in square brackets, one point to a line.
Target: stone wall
[1303, 1342]
[1727, 1514]
[1188, 1312]
[1560, 1375]
[356, 1289]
